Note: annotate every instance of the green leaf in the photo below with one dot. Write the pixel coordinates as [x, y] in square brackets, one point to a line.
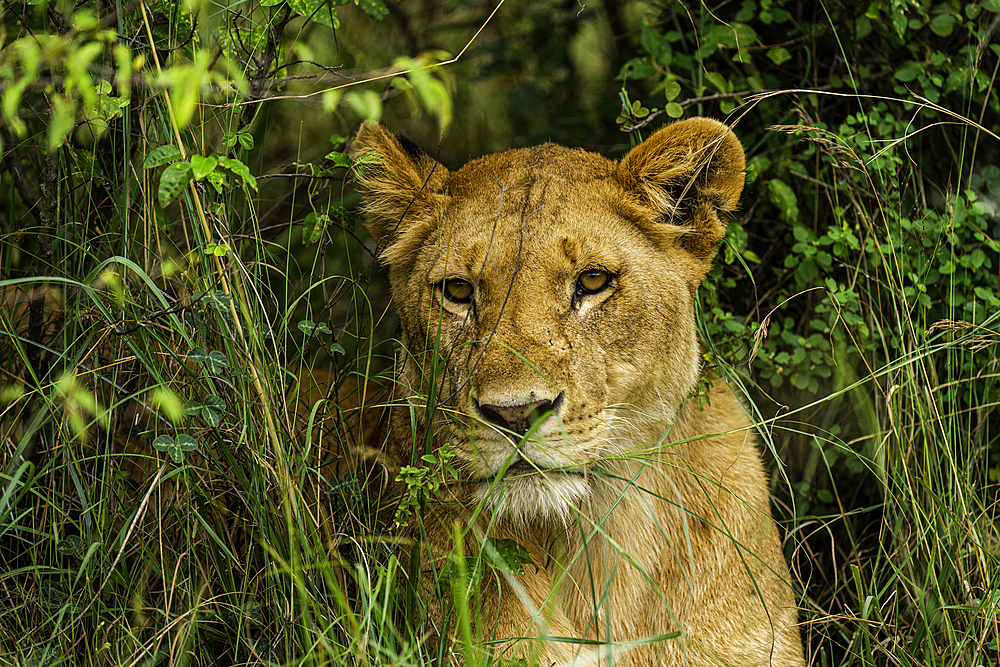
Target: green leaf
[975, 259]
[988, 297]
[718, 81]
[198, 355]
[909, 71]
[53, 596]
[164, 443]
[308, 327]
[313, 227]
[671, 89]
[898, 18]
[366, 161]
[340, 214]
[637, 68]
[63, 121]
[175, 448]
[217, 249]
[186, 443]
[943, 24]
[72, 544]
[649, 39]
[211, 417]
[185, 88]
[656, 46]
[862, 27]
[219, 299]
[214, 402]
[216, 361]
[375, 9]
[801, 380]
[782, 196]
[320, 11]
[202, 166]
[243, 137]
[208, 409]
[162, 155]
[779, 55]
[173, 181]
[11, 103]
[339, 159]
[756, 166]
[506, 555]
[431, 91]
[217, 180]
[743, 35]
[240, 169]
[366, 104]
[213, 361]
[674, 110]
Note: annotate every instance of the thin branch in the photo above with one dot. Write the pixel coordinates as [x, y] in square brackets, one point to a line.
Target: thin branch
[313, 176]
[332, 69]
[258, 82]
[690, 101]
[725, 96]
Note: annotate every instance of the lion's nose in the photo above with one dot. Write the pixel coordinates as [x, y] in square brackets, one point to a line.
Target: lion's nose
[517, 418]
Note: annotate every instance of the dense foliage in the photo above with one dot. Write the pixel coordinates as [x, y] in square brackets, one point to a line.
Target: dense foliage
[178, 242]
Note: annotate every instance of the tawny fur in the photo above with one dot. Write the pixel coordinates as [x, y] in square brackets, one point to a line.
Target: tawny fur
[646, 516]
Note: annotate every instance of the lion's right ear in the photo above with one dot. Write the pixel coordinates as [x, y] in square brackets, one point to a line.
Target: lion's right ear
[691, 174]
[401, 183]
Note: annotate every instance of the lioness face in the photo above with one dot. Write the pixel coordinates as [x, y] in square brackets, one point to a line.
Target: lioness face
[547, 294]
[542, 301]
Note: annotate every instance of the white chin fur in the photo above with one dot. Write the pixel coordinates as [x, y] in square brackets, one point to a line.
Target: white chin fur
[544, 496]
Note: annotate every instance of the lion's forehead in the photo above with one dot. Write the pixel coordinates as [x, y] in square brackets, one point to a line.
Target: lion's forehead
[557, 253]
[560, 234]
[529, 167]
[527, 188]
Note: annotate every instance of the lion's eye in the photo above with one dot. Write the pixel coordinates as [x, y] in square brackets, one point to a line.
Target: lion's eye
[457, 290]
[593, 281]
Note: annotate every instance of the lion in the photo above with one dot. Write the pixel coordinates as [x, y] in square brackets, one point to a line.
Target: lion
[546, 298]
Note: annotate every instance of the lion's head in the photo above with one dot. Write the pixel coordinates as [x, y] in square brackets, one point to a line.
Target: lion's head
[553, 291]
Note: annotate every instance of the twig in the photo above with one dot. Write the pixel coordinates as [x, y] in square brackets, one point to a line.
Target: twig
[314, 176]
[688, 102]
[263, 73]
[332, 69]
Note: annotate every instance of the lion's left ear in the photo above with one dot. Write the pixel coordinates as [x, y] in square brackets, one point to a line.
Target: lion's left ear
[690, 172]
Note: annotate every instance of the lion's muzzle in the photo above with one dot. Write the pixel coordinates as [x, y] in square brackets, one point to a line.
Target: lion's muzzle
[518, 418]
